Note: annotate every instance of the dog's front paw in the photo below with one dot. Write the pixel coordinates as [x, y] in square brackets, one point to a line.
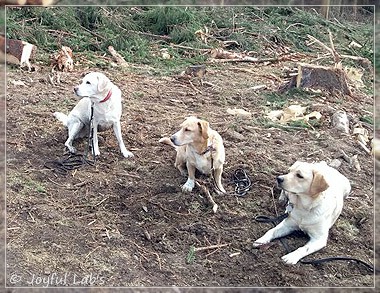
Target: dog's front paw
[188, 186]
[128, 154]
[291, 258]
[72, 149]
[261, 241]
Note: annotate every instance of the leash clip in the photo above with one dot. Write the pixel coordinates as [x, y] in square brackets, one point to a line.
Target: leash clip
[289, 208]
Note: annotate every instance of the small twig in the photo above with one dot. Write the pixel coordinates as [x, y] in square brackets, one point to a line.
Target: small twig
[164, 37]
[80, 184]
[33, 220]
[274, 203]
[103, 200]
[210, 247]
[194, 88]
[367, 150]
[91, 251]
[188, 48]
[346, 157]
[129, 175]
[294, 24]
[245, 59]
[64, 186]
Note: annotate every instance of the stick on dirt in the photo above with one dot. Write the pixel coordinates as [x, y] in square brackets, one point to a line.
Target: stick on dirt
[208, 195]
[211, 247]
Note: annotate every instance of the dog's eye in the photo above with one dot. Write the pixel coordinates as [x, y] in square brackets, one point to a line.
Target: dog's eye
[187, 129]
[299, 176]
[88, 82]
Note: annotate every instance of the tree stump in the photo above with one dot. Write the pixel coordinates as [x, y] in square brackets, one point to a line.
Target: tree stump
[332, 79]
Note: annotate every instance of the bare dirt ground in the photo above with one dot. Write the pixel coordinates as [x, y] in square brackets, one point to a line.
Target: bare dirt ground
[125, 222]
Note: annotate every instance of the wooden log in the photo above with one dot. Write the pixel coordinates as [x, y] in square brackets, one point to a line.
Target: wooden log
[117, 57]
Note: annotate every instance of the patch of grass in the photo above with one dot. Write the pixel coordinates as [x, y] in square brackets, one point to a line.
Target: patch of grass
[311, 124]
[134, 31]
[279, 101]
[289, 127]
[276, 100]
[28, 185]
[190, 258]
[367, 119]
[349, 229]
[35, 186]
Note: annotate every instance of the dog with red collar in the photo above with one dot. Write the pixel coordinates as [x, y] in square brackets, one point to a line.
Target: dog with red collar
[101, 102]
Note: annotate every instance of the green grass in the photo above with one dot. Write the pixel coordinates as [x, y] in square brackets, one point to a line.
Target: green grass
[190, 258]
[138, 33]
[367, 119]
[28, 185]
[277, 101]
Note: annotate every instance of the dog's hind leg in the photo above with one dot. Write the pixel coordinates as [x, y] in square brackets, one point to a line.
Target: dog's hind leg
[218, 180]
[74, 128]
[117, 130]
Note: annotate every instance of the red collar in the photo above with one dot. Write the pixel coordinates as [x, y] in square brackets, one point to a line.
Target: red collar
[107, 97]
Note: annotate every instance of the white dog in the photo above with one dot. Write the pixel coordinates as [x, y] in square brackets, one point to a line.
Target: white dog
[315, 194]
[198, 147]
[95, 88]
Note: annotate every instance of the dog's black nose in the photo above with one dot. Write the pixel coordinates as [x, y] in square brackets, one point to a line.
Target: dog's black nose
[75, 89]
[280, 179]
[172, 138]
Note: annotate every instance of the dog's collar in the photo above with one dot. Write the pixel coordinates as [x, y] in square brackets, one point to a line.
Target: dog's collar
[107, 97]
[208, 149]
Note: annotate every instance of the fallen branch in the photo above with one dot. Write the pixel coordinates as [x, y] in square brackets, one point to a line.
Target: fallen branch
[331, 50]
[152, 35]
[117, 57]
[188, 48]
[208, 195]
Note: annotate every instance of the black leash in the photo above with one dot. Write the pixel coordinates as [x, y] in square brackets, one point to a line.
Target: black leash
[242, 182]
[70, 162]
[75, 161]
[276, 220]
[90, 141]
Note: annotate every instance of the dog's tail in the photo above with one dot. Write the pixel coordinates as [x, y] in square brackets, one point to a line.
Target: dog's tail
[166, 140]
[61, 117]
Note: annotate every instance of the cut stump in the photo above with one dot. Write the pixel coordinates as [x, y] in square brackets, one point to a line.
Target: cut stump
[332, 79]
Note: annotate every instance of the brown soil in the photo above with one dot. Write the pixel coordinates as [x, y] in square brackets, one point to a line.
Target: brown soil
[125, 222]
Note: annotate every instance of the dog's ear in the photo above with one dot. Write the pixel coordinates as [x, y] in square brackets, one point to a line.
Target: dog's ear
[103, 83]
[203, 128]
[318, 184]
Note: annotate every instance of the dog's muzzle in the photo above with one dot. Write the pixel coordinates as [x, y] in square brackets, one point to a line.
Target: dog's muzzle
[173, 140]
[280, 180]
